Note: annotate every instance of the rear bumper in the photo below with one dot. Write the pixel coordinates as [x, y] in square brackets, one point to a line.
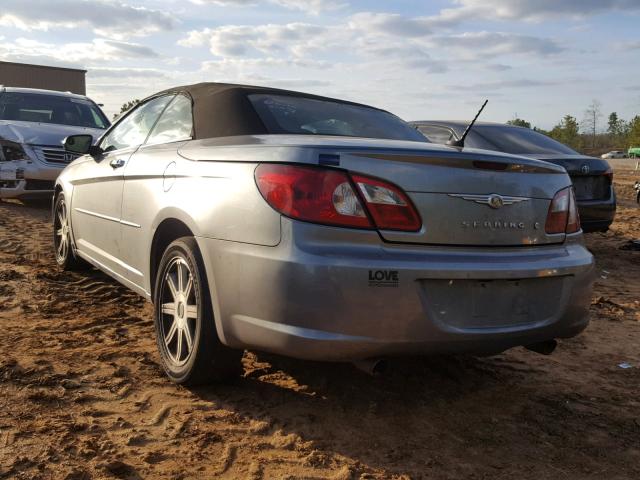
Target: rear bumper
[597, 215]
[336, 294]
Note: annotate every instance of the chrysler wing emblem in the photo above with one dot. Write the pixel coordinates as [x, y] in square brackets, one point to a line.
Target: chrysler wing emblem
[493, 200]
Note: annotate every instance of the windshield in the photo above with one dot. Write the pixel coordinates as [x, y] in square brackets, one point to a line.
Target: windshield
[307, 116]
[56, 109]
[516, 140]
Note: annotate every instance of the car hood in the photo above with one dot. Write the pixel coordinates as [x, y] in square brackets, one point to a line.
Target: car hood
[34, 133]
[574, 163]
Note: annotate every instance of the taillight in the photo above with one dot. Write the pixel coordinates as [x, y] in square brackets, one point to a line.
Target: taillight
[389, 206]
[329, 197]
[573, 223]
[311, 194]
[563, 213]
[609, 175]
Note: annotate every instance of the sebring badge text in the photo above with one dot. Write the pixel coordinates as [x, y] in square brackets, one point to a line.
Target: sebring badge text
[497, 224]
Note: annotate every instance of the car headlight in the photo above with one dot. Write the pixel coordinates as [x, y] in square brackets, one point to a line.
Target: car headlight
[12, 151]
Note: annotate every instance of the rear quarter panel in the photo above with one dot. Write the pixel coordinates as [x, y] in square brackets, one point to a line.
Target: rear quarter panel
[217, 200]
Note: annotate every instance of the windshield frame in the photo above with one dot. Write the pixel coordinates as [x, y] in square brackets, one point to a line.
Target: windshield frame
[93, 108]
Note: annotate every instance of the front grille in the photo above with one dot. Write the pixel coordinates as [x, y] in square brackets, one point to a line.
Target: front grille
[591, 187]
[39, 185]
[55, 156]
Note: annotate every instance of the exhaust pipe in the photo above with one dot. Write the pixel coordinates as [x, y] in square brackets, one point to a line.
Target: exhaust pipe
[543, 348]
[373, 367]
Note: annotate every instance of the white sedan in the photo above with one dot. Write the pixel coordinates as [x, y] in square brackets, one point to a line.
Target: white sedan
[614, 154]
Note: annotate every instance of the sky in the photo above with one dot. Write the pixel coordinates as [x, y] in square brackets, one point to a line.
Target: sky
[537, 59]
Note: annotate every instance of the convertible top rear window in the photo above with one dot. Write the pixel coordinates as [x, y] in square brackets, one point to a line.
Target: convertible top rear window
[288, 114]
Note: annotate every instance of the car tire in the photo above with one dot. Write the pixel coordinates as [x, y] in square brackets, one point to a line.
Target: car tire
[190, 350]
[66, 258]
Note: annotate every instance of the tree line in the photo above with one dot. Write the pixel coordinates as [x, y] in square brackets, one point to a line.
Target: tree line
[590, 135]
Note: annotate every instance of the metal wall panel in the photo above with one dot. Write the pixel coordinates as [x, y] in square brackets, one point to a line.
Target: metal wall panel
[40, 76]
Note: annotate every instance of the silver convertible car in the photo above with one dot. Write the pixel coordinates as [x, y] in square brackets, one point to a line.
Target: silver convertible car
[321, 229]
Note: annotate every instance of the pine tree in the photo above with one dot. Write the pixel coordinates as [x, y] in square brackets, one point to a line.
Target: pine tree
[567, 132]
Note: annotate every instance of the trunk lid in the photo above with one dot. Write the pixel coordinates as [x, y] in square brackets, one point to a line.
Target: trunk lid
[574, 164]
[470, 197]
[587, 174]
[450, 188]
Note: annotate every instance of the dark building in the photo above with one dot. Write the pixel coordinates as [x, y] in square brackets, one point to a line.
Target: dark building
[40, 76]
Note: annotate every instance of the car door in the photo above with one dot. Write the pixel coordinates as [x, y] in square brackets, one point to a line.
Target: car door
[148, 179]
[96, 204]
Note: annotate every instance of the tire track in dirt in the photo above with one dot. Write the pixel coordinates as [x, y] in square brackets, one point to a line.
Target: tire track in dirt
[101, 428]
[88, 287]
[82, 394]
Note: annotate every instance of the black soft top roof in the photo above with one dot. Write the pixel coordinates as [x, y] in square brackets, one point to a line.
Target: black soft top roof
[224, 109]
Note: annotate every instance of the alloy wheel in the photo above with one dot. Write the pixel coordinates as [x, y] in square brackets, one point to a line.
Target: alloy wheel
[179, 312]
[62, 233]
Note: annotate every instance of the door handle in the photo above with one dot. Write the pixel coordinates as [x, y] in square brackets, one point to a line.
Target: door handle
[117, 163]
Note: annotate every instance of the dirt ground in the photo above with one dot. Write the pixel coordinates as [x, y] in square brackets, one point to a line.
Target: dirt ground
[82, 395]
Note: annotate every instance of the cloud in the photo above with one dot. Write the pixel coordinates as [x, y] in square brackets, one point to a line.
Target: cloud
[294, 39]
[274, 72]
[626, 46]
[498, 67]
[534, 10]
[394, 24]
[473, 10]
[306, 44]
[118, 49]
[225, 3]
[103, 17]
[125, 72]
[76, 54]
[384, 40]
[255, 64]
[432, 28]
[470, 44]
[496, 86]
[312, 6]
[402, 54]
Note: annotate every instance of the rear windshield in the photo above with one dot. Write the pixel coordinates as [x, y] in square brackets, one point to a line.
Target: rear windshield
[36, 107]
[519, 140]
[307, 116]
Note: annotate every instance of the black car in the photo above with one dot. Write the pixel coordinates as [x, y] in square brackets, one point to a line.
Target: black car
[592, 177]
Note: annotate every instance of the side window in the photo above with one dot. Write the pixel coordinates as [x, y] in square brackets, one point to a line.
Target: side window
[436, 134]
[176, 122]
[134, 128]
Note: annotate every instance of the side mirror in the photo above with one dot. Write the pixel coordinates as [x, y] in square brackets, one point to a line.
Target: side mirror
[80, 144]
